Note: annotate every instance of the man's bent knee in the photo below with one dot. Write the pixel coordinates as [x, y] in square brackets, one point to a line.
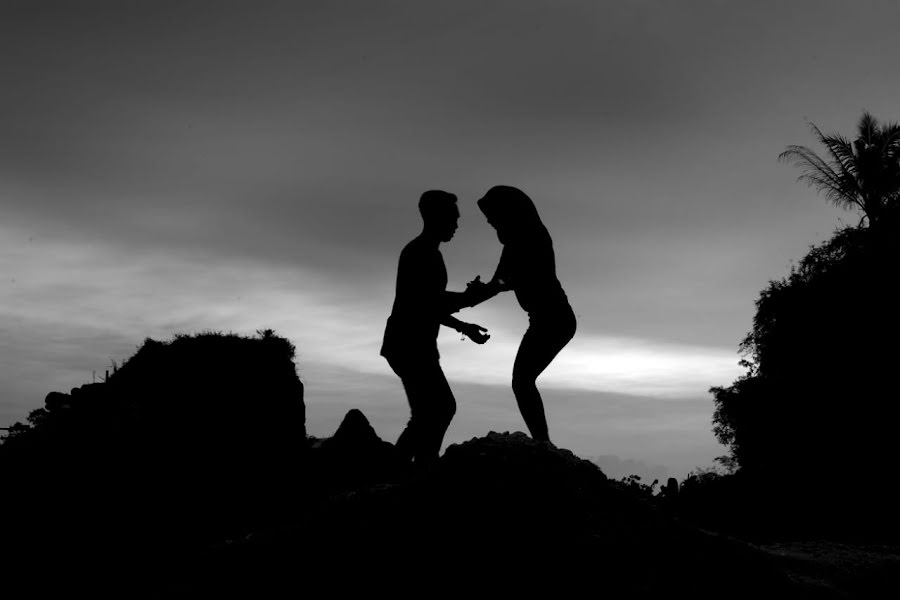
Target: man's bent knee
[446, 414]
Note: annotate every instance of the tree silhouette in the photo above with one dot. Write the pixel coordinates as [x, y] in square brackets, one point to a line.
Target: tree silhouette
[817, 400]
[863, 174]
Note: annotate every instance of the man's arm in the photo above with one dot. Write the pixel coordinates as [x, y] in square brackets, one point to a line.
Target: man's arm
[477, 292]
[476, 333]
[455, 301]
[453, 323]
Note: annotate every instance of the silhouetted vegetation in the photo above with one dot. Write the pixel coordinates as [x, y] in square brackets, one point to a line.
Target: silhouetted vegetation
[862, 175]
[812, 423]
[189, 441]
[632, 483]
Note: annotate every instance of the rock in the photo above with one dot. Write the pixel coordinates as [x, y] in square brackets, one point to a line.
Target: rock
[355, 456]
[355, 432]
[190, 441]
[504, 513]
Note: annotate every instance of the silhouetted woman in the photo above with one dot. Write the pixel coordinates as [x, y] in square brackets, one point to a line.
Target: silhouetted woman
[527, 267]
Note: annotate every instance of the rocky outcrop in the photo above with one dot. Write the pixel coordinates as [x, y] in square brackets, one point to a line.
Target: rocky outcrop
[501, 513]
[354, 457]
[190, 442]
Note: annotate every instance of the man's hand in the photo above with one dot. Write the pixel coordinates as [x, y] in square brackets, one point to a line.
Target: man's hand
[476, 333]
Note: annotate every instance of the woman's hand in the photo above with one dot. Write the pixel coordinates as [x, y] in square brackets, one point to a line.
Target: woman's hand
[476, 333]
[476, 285]
[476, 292]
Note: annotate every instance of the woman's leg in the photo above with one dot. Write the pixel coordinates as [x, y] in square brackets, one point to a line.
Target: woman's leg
[539, 347]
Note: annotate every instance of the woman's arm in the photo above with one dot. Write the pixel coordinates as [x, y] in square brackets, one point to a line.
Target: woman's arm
[477, 291]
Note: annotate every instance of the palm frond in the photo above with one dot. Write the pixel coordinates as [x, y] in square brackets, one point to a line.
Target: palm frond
[809, 161]
[841, 149]
[890, 139]
[863, 173]
[837, 185]
[867, 128]
[817, 173]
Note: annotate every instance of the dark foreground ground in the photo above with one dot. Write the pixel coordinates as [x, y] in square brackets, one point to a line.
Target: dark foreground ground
[505, 514]
[188, 473]
[498, 514]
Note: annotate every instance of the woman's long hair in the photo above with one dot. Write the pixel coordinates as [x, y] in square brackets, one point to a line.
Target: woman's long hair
[513, 211]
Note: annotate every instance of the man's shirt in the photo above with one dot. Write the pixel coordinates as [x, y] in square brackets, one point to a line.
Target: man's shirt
[419, 303]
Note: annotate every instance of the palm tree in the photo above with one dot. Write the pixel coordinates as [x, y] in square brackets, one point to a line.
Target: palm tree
[862, 175]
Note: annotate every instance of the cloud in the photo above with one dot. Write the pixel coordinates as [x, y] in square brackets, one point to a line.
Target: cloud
[78, 287]
[596, 362]
[87, 296]
[68, 308]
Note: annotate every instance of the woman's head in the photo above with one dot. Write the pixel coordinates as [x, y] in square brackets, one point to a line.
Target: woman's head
[512, 213]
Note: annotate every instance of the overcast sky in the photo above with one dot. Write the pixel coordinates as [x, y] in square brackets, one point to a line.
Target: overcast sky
[182, 166]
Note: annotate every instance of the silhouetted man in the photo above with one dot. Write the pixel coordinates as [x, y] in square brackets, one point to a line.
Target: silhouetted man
[421, 305]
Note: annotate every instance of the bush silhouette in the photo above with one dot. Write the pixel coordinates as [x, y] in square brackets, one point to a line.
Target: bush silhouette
[191, 440]
[818, 400]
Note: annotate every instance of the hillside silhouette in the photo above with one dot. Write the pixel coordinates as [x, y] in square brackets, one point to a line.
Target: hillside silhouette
[188, 473]
[190, 441]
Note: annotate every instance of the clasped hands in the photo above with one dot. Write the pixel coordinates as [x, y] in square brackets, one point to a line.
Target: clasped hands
[476, 292]
[471, 297]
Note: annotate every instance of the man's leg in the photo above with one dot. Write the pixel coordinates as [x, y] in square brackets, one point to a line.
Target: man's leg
[407, 443]
[431, 405]
[437, 409]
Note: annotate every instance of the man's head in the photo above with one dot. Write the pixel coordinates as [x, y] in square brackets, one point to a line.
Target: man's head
[439, 213]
